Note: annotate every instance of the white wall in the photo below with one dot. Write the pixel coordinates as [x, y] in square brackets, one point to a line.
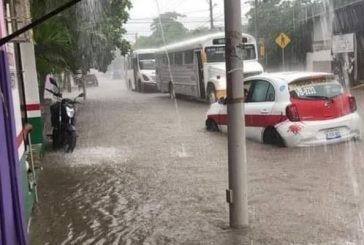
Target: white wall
[15, 94]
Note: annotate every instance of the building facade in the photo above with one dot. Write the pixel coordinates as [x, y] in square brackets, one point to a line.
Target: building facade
[19, 106]
[12, 225]
[337, 39]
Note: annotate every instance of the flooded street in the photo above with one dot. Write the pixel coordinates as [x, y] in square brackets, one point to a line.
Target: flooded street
[145, 171]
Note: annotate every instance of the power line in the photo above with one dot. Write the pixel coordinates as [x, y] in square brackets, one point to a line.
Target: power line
[185, 21]
[180, 18]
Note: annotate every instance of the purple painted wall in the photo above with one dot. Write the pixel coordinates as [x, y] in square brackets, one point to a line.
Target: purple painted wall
[12, 229]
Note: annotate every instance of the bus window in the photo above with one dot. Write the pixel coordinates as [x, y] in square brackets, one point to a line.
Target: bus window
[217, 53]
[146, 56]
[189, 57]
[178, 58]
[249, 52]
[164, 59]
[171, 58]
[147, 64]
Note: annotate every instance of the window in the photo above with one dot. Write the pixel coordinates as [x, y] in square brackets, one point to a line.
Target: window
[178, 58]
[318, 88]
[249, 52]
[146, 56]
[260, 91]
[270, 94]
[147, 64]
[171, 58]
[164, 59]
[217, 53]
[189, 57]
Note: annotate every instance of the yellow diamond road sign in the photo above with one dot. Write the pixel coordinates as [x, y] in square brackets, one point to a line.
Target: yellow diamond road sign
[283, 40]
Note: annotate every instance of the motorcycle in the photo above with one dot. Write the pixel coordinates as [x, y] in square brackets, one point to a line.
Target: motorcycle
[63, 120]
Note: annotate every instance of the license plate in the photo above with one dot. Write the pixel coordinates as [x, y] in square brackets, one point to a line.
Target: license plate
[333, 134]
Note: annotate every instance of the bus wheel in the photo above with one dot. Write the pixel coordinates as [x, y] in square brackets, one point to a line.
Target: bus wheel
[172, 93]
[211, 95]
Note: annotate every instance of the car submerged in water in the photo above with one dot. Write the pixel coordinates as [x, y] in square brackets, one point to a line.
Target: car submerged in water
[293, 109]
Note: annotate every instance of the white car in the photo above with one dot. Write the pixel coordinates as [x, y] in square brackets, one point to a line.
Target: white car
[293, 109]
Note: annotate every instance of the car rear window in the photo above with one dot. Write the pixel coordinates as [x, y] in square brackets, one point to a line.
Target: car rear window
[322, 88]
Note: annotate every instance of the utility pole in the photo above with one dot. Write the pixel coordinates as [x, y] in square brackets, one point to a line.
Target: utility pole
[256, 19]
[236, 195]
[211, 16]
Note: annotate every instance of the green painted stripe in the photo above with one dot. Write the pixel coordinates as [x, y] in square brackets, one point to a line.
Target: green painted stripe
[29, 196]
[37, 132]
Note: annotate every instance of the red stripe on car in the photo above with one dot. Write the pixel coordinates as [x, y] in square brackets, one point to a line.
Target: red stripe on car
[252, 120]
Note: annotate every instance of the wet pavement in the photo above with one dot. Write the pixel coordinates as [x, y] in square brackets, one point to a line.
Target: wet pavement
[146, 171]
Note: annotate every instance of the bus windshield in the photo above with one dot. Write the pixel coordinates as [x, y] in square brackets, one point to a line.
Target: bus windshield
[217, 53]
[147, 64]
[146, 56]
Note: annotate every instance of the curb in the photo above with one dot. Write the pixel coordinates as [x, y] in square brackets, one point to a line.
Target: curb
[358, 86]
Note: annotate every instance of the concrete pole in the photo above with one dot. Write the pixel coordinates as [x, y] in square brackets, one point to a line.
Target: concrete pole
[237, 193]
[256, 19]
[211, 16]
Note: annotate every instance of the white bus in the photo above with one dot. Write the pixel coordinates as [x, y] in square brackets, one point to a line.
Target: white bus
[140, 70]
[197, 66]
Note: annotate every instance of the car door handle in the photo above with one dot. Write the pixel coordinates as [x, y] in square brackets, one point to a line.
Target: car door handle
[264, 111]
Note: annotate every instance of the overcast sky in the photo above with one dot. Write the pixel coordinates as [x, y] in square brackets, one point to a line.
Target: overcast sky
[196, 11]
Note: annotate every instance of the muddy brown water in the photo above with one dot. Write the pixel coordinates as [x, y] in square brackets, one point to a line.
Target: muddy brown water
[141, 176]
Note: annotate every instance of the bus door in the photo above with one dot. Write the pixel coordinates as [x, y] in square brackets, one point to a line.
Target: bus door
[135, 69]
[199, 69]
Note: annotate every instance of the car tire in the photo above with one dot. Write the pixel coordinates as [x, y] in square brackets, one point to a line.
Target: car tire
[55, 139]
[171, 91]
[211, 94]
[272, 137]
[211, 125]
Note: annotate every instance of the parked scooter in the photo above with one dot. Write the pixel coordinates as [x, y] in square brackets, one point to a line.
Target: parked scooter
[63, 120]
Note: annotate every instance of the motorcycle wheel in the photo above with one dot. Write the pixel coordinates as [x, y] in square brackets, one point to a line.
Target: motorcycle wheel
[70, 141]
[55, 139]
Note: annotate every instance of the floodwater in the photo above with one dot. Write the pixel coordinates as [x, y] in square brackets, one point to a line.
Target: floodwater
[141, 176]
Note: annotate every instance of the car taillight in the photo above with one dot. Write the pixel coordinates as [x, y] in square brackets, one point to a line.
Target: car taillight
[145, 78]
[292, 113]
[352, 103]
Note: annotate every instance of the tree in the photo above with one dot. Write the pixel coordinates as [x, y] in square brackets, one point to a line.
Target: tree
[83, 37]
[171, 28]
[275, 17]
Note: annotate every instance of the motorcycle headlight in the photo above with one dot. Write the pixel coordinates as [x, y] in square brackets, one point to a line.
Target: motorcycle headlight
[70, 112]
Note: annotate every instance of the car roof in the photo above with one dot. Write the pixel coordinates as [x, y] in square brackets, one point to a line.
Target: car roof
[294, 76]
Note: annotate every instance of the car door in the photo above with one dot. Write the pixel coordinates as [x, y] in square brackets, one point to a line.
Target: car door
[259, 102]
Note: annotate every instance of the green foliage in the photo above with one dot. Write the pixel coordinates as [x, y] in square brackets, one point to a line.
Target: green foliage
[275, 17]
[172, 29]
[79, 40]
